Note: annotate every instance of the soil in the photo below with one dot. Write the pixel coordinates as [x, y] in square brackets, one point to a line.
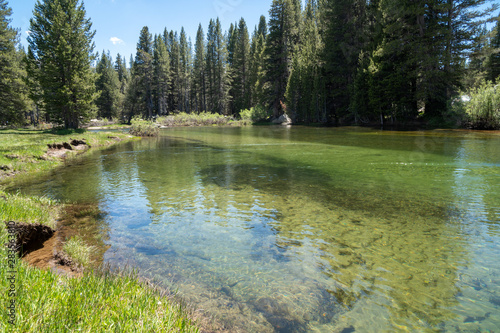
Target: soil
[60, 150]
[30, 237]
[40, 245]
[48, 257]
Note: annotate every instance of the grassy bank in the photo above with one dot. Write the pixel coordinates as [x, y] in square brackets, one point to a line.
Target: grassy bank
[25, 152]
[35, 300]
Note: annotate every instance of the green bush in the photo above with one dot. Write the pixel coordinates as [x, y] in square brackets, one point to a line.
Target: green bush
[483, 109]
[193, 119]
[254, 114]
[143, 128]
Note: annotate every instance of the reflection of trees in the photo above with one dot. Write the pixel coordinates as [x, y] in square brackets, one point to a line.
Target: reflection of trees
[476, 183]
[167, 172]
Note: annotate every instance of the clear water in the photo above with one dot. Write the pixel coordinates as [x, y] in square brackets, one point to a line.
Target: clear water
[276, 229]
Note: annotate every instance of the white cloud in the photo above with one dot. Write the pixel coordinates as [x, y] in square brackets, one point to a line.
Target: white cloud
[28, 32]
[116, 40]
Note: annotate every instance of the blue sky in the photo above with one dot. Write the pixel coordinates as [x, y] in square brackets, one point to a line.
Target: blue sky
[118, 22]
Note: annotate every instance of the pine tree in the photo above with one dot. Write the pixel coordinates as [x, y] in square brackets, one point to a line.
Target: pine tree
[257, 75]
[61, 44]
[108, 87]
[343, 38]
[199, 72]
[184, 72]
[143, 73]
[217, 70]
[173, 47]
[35, 91]
[12, 87]
[232, 37]
[494, 58]
[123, 79]
[280, 47]
[418, 64]
[262, 29]
[304, 91]
[161, 75]
[241, 69]
[121, 70]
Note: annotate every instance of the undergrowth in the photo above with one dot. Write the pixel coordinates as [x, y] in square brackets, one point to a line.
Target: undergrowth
[200, 119]
[144, 128]
[483, 109]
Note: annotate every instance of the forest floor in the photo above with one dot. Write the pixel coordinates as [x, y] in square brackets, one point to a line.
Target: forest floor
[47, 286]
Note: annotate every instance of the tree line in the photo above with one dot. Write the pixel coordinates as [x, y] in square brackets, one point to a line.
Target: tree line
[333, 61]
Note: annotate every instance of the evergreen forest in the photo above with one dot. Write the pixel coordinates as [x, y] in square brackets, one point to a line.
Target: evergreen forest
[335, 62]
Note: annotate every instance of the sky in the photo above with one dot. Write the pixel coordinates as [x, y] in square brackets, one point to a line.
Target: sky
[119, 22]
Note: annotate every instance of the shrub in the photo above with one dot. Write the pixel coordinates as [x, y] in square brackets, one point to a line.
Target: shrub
[193, 119]
[483, 109]
[255, 114]
[143, 128]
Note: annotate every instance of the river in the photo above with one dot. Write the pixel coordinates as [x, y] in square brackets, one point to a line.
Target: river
[302, 229]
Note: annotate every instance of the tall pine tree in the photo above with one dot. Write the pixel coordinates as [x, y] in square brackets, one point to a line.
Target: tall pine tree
[304, 91]
[343, 23]
[12, 101]
[241, 69]
[217, 70]
[162, 75]
[199, 72]
[61, 44]
[257, 75]
[184, 72]
[494, 59]
[143, 73]
[281, 43]
[108, 88]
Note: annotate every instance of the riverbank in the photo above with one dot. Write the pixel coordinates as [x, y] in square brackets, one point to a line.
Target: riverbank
[28, 153]
[54, 287]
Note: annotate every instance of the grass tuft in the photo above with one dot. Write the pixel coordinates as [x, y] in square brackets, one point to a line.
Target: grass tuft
[78, 250]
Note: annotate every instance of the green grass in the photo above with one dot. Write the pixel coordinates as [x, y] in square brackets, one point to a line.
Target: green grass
[24, 151]
[78, 250]
[99, 301]
[14, 207]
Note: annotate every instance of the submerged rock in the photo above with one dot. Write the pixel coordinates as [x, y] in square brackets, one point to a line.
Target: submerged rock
[495, 300]
[271, 306]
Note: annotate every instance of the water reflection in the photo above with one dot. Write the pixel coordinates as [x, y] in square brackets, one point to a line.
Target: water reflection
[475, 192]
[276, 231]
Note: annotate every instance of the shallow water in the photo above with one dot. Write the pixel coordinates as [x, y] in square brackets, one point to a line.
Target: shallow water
[276, 229]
